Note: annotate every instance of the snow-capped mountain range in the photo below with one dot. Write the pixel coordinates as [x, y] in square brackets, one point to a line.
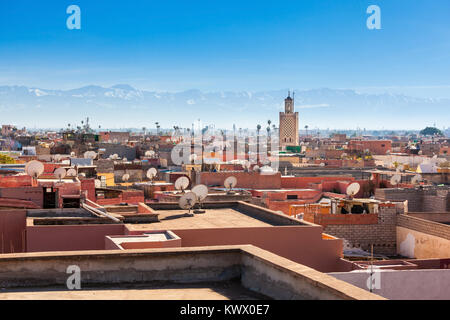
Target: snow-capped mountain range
[124, 106]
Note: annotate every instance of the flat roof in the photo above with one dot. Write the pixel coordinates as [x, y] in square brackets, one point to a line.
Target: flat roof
[212, 218]
[230, 290]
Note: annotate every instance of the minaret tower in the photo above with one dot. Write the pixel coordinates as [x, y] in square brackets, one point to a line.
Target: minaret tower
[289, 124]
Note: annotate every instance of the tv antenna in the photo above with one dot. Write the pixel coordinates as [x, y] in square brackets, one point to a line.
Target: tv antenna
[353, 189]
[230, 183]
[201, 191]
[181, 183]
[34, 169]
[416, 179]
[266, 170]
[246, 165]
[151, 173]
[71, 172]
[60, 173]
[150, 153]
[90, 155]
[187, 201]
[395, 180]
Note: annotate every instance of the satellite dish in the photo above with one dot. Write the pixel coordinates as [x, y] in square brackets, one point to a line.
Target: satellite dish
[125, 177]
[124, 159]
[201, 191]
[187, 201]
[98, 183]
[72, 154]
[230, 183]
[34, 168]
[395, 180]
[149, 153]
[266, 170]
[71, 172]
[353, 189]
[151, 173]
[60, 173]
[90, 155]
[416, 179]
[193, 157]
[322, 164]
[82, 174]
[256, 168]
[246, 164]
[181, 183]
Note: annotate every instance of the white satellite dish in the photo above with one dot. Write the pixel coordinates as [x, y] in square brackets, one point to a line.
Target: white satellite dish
[201, 191]
[72, 154]
[266, 170]
[71, 172]
[98, 183]
[151, 173]
[416, 179]
[256, 168]
[192, 157]
[353, 189]
[149, 153]
[125, 177]
[34, 168]
[90, 155]
[60, 173]
[124, 159]
[395, 180]
[322, 164]
[181, 183]
[187, 201]
[230, 183]
[246, 164]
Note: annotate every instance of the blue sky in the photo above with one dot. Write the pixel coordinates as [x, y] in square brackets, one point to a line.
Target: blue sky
[228, 45]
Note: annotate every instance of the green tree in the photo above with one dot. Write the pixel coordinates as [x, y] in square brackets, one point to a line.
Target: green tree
[431, 131]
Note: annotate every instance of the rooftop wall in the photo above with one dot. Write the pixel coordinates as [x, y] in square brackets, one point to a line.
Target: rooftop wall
[404, 284]
[422, 239]
[252, 180]
[419, 200]
[258, 270]
[12, 231]
[70, 237]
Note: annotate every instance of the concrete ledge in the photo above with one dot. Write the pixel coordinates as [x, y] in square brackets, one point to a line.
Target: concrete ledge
[257, 269]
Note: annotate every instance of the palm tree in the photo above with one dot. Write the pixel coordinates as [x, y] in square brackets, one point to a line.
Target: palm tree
[306, 128]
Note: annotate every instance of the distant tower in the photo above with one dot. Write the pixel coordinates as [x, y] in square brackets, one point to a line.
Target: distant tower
[288, 124]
